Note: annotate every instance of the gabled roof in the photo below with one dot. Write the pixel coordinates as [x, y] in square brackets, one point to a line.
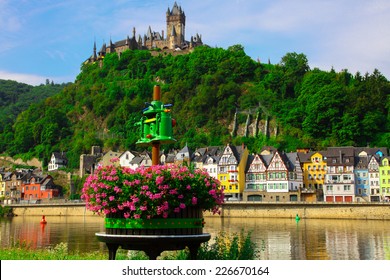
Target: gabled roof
[60, 155]
[136, 160]
[184, 153]
[304, 157]
[340, 156]
[292, 160]
[214, 159]
[266, 150]
[267, 159]
[381, 151]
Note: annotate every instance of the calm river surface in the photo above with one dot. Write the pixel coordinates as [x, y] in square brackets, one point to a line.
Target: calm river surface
[277, 239]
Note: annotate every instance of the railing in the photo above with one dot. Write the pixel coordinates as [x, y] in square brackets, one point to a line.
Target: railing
[308, 190]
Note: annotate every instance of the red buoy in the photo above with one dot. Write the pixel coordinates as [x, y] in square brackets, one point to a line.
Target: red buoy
[43, 221]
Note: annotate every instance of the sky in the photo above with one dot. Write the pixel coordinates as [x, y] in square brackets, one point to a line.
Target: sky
[50, 39]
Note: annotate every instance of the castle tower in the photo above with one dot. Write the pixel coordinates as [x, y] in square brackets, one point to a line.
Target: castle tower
[176, 21]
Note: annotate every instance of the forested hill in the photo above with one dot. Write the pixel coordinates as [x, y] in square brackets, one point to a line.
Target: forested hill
[17, 97]
[310, 108]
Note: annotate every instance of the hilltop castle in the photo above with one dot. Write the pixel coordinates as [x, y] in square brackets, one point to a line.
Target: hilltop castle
[173, 41]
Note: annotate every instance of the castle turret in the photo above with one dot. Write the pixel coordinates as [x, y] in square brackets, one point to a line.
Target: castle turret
[176, 21]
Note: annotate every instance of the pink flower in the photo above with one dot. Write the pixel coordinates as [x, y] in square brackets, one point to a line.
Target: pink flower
[194, 200]
[182, 205]
[159, 180]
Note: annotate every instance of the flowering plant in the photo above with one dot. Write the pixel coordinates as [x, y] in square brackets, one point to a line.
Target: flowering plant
[148, 192]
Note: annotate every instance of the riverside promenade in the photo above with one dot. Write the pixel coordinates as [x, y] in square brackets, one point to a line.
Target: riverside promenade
[315, 210]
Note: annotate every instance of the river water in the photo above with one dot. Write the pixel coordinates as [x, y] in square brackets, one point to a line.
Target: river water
[276, 239]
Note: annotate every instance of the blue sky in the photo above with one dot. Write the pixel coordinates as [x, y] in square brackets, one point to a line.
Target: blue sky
[49, 39]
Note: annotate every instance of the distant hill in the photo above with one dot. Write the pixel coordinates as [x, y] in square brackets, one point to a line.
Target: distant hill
[16, 97]
[218, 95]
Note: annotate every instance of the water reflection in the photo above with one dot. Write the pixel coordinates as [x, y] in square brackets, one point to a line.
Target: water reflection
[277, 239]
[77, 232]
[286, 239]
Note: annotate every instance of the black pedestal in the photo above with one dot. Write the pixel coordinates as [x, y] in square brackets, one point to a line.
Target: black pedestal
[152, 245]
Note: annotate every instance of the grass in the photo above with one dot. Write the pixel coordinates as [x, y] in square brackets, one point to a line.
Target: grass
[223, 247]
[22, 251]
[5, 210]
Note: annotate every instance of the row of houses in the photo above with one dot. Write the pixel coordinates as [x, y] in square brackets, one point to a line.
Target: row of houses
[337, 174]
[26, 185]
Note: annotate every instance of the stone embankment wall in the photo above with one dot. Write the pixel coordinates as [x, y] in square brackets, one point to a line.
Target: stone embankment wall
[67, 209]
[364, 211]
[317, 210]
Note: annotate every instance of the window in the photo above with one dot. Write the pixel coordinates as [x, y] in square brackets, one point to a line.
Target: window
[347, 188]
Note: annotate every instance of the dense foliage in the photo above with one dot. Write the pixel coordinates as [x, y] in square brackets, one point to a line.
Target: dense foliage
[312, 108]
[16, 98]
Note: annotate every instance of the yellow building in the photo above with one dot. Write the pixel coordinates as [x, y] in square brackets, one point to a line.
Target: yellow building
[231, 171]
[314, 170]
[384, 178]
[110, 158]
[2, 186]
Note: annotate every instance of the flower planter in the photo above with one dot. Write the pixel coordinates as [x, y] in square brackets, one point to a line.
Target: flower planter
[188, 222]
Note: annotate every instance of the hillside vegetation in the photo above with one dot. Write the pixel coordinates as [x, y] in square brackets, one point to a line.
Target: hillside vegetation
[311, 107]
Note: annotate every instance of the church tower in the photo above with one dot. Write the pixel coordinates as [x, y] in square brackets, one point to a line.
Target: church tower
[176, 21]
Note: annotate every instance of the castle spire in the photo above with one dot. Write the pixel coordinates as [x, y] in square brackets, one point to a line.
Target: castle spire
[94, 50]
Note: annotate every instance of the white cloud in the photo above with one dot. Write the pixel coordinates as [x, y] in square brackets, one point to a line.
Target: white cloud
[30, 79]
